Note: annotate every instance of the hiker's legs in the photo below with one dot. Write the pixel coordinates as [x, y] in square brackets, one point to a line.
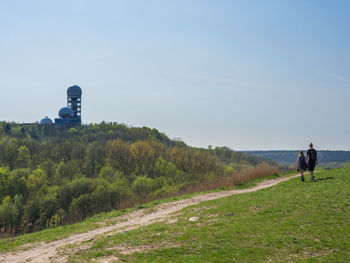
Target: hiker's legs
[311, 165]
[312, 175]
[302, 175]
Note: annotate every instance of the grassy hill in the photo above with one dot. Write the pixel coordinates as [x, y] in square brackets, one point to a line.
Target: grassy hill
[290, 222]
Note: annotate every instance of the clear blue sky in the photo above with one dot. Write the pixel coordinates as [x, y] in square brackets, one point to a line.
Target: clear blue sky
[246, 74]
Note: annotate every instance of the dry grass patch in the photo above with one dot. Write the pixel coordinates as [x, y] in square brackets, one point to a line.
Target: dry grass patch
[231, 180]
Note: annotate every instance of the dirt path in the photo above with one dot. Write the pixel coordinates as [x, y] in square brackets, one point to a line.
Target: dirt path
[46, 252]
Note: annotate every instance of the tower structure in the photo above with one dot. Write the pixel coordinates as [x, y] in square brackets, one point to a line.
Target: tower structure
[74, 101]
[70, 116]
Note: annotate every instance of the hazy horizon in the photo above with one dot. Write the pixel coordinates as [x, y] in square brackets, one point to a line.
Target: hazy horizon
[249, 75]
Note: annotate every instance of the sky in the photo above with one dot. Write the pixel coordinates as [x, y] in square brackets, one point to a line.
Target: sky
[250, 75]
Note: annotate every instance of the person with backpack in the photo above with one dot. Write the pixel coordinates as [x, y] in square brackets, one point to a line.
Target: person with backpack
[312, 160]
[301, 165]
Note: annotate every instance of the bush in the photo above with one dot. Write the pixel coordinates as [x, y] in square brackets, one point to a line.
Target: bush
[142, 187]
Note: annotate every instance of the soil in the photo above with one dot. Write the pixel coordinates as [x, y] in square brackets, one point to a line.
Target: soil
[48, 252]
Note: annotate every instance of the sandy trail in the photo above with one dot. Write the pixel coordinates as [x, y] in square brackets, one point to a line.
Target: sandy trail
[47, 252]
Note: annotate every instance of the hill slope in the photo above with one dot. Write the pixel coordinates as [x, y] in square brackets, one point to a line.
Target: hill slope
[290, 222]
[51, 176]
[129, 221]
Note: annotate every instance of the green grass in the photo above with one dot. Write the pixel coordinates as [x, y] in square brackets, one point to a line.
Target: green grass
[47, 235]
[290, 222]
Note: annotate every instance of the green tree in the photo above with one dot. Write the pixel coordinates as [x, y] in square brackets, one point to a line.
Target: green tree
[82, 186]
[23, 158]
[7, 128]
[81, 206]
[107, 173]
[17, 182]
[143, 157]
[100, 198]
[4, 185]
[168, 170]
[36, 180]
[49, 167]
[65, 196]
[11, 211]
[94, 158]
[11, 152]
[118, 155]
[119, 192]
[6, 217]
[66, 171]
[48, 203]
[31, 213]
[142, 187]
[2, 131]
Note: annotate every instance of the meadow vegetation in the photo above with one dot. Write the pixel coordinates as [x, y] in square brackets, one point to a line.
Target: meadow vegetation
[290, 222]
[51, 177]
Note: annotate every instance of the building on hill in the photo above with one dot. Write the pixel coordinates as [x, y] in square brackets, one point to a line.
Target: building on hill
[46, 121]
[74, 100]
[71, 115]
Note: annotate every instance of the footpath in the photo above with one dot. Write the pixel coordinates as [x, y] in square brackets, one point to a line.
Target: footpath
[48, 252]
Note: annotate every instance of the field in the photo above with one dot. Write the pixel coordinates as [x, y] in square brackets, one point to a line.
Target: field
[289, 222]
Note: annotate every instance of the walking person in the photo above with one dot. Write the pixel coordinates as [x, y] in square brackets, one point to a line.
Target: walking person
[312, 160]
[301, 165]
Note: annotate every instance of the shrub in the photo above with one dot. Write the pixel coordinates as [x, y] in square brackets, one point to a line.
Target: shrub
[142, 186]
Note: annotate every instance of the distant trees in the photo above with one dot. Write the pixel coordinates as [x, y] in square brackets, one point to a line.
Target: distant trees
[118, 155]
[50, 176]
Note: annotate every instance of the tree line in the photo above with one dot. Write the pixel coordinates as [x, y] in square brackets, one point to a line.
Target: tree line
[51, 176]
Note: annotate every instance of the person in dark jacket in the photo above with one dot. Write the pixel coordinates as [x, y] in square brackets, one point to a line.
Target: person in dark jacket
[301, 165]
[312, 160]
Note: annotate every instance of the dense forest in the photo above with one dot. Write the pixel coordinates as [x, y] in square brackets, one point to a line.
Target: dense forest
[51, 176]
